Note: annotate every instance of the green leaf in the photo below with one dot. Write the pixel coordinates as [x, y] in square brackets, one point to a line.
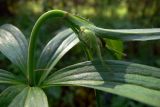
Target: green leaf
[7, 77]
[9, 94]
[116, 46]
[14, 45]
[56, 49]
[128, 34]
[49, 50]
[30, 97]
[135, 81]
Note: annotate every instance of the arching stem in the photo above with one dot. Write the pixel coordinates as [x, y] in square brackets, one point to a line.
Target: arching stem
[72, 21]
[32, 42]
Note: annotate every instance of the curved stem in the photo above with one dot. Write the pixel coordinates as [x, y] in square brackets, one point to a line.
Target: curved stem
[73, 22]
[76, 23]
[32, 42]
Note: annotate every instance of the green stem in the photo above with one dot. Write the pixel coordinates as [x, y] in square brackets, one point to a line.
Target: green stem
[72, 21]
[32, 42]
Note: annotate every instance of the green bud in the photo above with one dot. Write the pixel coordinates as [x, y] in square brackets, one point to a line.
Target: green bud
[89, 39]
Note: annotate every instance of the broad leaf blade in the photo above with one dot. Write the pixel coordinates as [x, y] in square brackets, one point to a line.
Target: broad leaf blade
[128, 34]
[56, 49]
[131, 80]
[7, 77]
[30, 97]
[14, 45]
[9, 94]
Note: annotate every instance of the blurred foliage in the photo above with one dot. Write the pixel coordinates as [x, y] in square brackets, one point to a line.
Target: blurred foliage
[104, 13]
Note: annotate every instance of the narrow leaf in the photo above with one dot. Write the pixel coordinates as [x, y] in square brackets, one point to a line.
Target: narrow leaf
[14, 45]
[128, 34]
[7, 77]
[49, 50]
[30, 97]
[135, 81]
[9, 94]
[56, 49]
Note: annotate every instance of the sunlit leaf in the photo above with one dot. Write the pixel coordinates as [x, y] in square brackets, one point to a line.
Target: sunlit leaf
[135, 81]
[9, 94]
[14, 45]
[30, 97]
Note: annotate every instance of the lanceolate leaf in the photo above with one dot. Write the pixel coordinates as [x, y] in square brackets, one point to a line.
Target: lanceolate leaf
[49, 50]
[9, 94]
[7, 77]
[30, 97]
[128, 34]
[56, 49]
[135, 81]
[13, 45]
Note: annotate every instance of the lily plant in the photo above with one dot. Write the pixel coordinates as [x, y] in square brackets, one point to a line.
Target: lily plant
[26, 89]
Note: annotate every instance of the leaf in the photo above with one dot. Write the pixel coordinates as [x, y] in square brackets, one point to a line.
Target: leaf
[135, 81]
[56, 49]
[9, 94]
[14, 45]
[30, 97]
[51, 47]
[128, 34]
[7, 77]
[116, 46]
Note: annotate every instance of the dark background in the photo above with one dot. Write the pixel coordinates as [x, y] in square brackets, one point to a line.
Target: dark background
[113, 14]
